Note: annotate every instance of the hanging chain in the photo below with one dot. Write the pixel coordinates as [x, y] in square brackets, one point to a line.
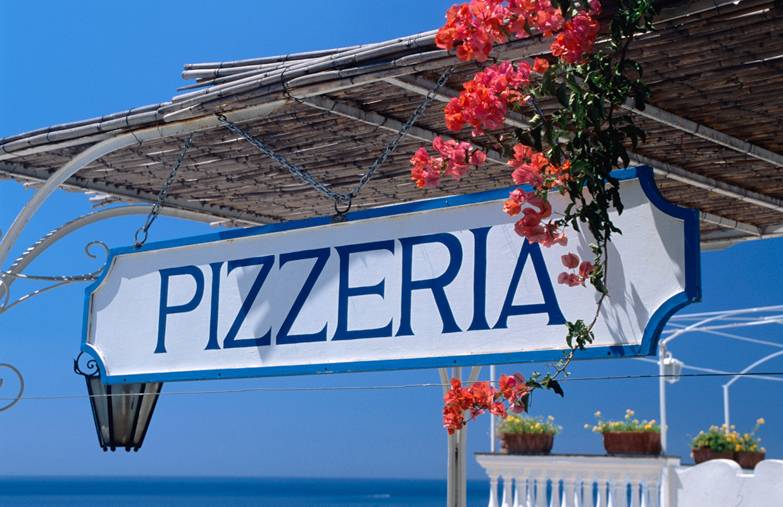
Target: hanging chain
[162, 195]
[339, 198]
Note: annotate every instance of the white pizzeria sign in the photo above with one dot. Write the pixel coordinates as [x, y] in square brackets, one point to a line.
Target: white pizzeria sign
[436, 283]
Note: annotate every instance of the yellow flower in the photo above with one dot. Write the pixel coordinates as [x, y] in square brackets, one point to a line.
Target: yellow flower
[598, 414]
[760, 421]
[587, 426]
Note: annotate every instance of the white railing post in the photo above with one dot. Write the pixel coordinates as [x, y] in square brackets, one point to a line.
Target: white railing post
[507, 490]
[557, 500]
[493, 491]
[588, 490]
[541, 490]
[636, 490]
[569, 490]
[587, 481]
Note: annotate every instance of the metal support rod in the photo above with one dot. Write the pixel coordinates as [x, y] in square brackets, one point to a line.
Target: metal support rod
[737, 377]
[107, 146]
[90, 154]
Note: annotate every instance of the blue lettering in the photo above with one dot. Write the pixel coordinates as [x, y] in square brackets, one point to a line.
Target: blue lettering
[230, 341]
[321, 255]
[479, 279]
[436, 285]
[165, 310]
[346, 291]
[212, 344]
[549, 306]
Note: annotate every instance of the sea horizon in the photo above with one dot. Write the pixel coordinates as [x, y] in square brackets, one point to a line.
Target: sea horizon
[72, 490]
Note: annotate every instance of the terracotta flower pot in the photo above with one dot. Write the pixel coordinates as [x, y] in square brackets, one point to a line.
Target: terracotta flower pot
[702, 454]
[632, 442]
[748, 459]
[527, 443]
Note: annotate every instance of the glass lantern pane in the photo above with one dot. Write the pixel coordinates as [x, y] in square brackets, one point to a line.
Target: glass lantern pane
[124, 404]
[148, 401]
[100, 406]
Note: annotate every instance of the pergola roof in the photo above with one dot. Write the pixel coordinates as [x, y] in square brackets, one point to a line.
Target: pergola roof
[715, 69]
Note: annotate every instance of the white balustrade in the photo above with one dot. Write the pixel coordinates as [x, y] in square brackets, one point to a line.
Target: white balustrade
[566, 480]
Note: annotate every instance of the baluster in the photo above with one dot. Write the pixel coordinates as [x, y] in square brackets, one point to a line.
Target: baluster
[645, 493]
[655, 492]
[530, 500]
[519, 491]
[613, 496]
[541, 491]
[588, 493]
[569, 490]
[493, 491]
[602, 493]
[635, 483]
[507, 498]
[557, 500]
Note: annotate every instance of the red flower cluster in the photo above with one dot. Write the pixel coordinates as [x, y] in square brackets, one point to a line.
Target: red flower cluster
[486, 98]
[455, 160]
[533, 168]
[571, 261]
[481, 23]
[577, 38]
[482, 396]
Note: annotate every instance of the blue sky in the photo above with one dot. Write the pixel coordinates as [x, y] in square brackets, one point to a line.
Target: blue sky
[63, 62]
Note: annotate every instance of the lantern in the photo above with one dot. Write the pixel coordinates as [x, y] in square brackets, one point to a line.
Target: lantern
[122, 412]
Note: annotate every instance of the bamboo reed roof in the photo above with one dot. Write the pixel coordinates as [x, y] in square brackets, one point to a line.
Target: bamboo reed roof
[715, 69]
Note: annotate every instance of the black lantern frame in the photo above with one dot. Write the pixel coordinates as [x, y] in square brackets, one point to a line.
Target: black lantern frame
[122, 412]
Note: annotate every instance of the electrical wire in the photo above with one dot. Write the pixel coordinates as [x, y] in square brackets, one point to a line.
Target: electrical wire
[405, 386]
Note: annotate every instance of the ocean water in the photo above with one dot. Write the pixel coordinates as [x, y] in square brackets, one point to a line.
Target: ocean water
[258, 492]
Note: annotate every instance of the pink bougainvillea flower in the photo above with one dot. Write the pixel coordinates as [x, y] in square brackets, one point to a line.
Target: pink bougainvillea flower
[499, 409]
[570, 279]
[512, 207]
[540, 65]
[477, 158]
[585, 269]
[570, 260]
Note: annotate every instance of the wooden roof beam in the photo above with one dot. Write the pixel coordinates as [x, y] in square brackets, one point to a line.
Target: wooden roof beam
[706, 133]
[719, 187]
[423, 87]
[719, 241]
[383, 122]
[199, 211]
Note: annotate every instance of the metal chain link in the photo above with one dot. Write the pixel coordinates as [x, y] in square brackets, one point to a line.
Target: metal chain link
[339, 198]
[162, 195]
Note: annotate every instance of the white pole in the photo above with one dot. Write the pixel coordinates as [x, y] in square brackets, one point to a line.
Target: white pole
[492, 418]
[726, 405]
[452, 443]
[662, 397]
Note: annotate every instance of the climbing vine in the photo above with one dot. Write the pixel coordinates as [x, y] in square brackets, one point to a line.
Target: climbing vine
[572, 150]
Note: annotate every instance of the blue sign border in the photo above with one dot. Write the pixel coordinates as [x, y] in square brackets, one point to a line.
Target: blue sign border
[648, 346]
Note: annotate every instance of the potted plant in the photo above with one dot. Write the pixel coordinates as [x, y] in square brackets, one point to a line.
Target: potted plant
[716, 443]
[629, 436]
[747, 451]
[527, 435]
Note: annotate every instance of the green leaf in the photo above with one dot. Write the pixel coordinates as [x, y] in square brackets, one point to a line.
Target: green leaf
[555, 386]
[562, 94]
